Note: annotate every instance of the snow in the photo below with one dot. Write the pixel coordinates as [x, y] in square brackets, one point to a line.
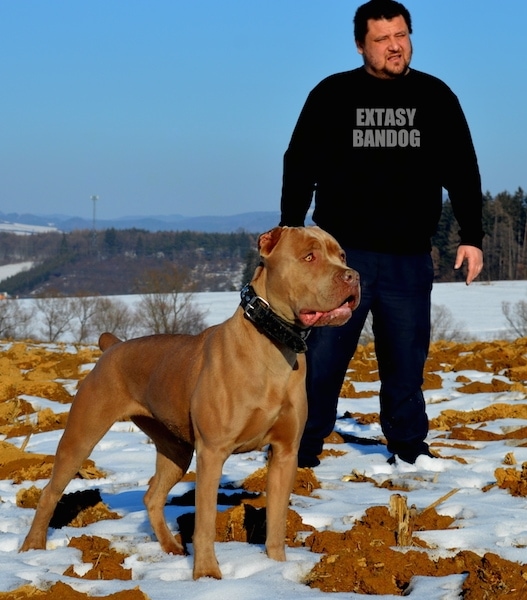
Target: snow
[24, 229]
[493, 521]
[13, 269]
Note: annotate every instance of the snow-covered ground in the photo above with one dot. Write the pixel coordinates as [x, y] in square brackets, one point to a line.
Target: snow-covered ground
[10, 270]
[493, 521]
[23, 229]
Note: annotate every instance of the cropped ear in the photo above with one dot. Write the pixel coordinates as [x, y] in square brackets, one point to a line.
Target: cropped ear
[267, 241]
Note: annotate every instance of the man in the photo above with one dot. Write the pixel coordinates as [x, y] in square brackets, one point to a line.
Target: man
[377, 145]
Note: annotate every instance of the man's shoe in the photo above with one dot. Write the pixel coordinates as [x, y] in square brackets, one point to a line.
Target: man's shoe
[308, 462]
[409, 458]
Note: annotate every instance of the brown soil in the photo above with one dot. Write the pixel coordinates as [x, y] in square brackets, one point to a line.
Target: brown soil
[378, 555]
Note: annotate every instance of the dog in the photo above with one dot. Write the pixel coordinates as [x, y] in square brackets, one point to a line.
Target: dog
[234, 387]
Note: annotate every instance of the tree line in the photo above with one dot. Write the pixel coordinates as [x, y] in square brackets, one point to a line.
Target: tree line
[504, 244]
[111, 261]
[133, 242]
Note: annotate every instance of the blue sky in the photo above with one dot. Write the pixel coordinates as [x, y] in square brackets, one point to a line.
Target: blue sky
[187, 106]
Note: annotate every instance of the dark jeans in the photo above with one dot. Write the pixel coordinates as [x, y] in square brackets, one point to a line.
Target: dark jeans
[396, 289]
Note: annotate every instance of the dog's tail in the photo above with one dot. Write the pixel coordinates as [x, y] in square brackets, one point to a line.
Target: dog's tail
[107, 339]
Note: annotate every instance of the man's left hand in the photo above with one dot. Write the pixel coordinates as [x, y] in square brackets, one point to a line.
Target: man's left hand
[474, 258]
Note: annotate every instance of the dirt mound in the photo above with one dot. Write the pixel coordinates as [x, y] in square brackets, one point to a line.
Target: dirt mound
[368, 559]
[62, 591]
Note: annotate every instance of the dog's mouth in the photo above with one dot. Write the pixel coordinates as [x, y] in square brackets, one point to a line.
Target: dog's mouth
[335, 317]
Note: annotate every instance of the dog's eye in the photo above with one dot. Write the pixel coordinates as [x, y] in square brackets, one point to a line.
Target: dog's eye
[343, 257]
[309, 257]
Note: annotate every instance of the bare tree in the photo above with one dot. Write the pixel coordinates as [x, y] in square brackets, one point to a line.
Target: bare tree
[170, 312]
[15, 320]
[516, 316]
[443, 326]
[115, 316]
[56, 316]
[83, 309]
[168, 307]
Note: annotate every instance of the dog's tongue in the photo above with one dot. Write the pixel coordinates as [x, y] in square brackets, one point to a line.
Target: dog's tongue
[338, 316]
[308, 319]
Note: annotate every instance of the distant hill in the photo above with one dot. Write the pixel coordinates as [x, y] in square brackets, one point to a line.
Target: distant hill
[252, 222]
[67, 258]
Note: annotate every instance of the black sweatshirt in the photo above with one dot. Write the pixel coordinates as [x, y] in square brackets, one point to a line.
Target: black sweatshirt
[377, 154]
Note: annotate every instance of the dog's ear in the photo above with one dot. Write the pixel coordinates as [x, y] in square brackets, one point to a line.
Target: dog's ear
[267, 241]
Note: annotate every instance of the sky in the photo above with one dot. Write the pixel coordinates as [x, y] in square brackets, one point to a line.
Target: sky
[163, 107]
[492, 521]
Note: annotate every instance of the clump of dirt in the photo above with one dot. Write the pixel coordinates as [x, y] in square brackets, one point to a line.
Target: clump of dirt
[33, 370]
[348, 391]
[77, 509]
[305, 482]
[366, 560]
[46, 420]
[12, 409]
[490, 357]
[23, 466]
[449, 418]
[36, 371]
[107, 562]
[62, 591]
[362, 418]
[56, 363]
[356, 477]
[512, 480]
[246, 523]
[20, 466]
[432, 381]
[496, 385]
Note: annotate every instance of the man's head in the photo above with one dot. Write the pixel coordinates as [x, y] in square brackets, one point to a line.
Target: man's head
[382, 36]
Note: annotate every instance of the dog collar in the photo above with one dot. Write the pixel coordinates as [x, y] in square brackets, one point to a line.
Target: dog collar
[258, 311]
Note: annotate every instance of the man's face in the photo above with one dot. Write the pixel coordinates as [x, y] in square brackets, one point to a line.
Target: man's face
[387, 48]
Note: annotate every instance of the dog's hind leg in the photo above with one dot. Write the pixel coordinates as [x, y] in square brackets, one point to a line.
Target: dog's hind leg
[68, 460]
[85, 427]
[172, 461]
[167, 474]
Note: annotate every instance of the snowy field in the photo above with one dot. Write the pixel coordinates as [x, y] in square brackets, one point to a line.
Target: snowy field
[493, 521]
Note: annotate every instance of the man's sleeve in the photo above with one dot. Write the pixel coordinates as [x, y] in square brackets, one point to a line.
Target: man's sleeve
[462, 178]
[299, 170]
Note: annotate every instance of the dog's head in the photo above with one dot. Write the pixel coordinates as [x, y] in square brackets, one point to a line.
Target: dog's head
[304, 277]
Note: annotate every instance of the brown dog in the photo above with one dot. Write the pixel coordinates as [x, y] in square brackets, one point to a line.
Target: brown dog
[235, 387]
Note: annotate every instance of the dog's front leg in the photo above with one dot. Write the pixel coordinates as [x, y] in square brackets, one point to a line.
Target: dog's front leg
[282, 464]
[209, 463]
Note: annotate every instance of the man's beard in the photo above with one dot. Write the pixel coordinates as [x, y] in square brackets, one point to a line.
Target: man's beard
[395, 74]
[387, 71]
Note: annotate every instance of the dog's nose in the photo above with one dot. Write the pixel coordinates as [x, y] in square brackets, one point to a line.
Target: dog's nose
[351, 276]
[354, 287]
